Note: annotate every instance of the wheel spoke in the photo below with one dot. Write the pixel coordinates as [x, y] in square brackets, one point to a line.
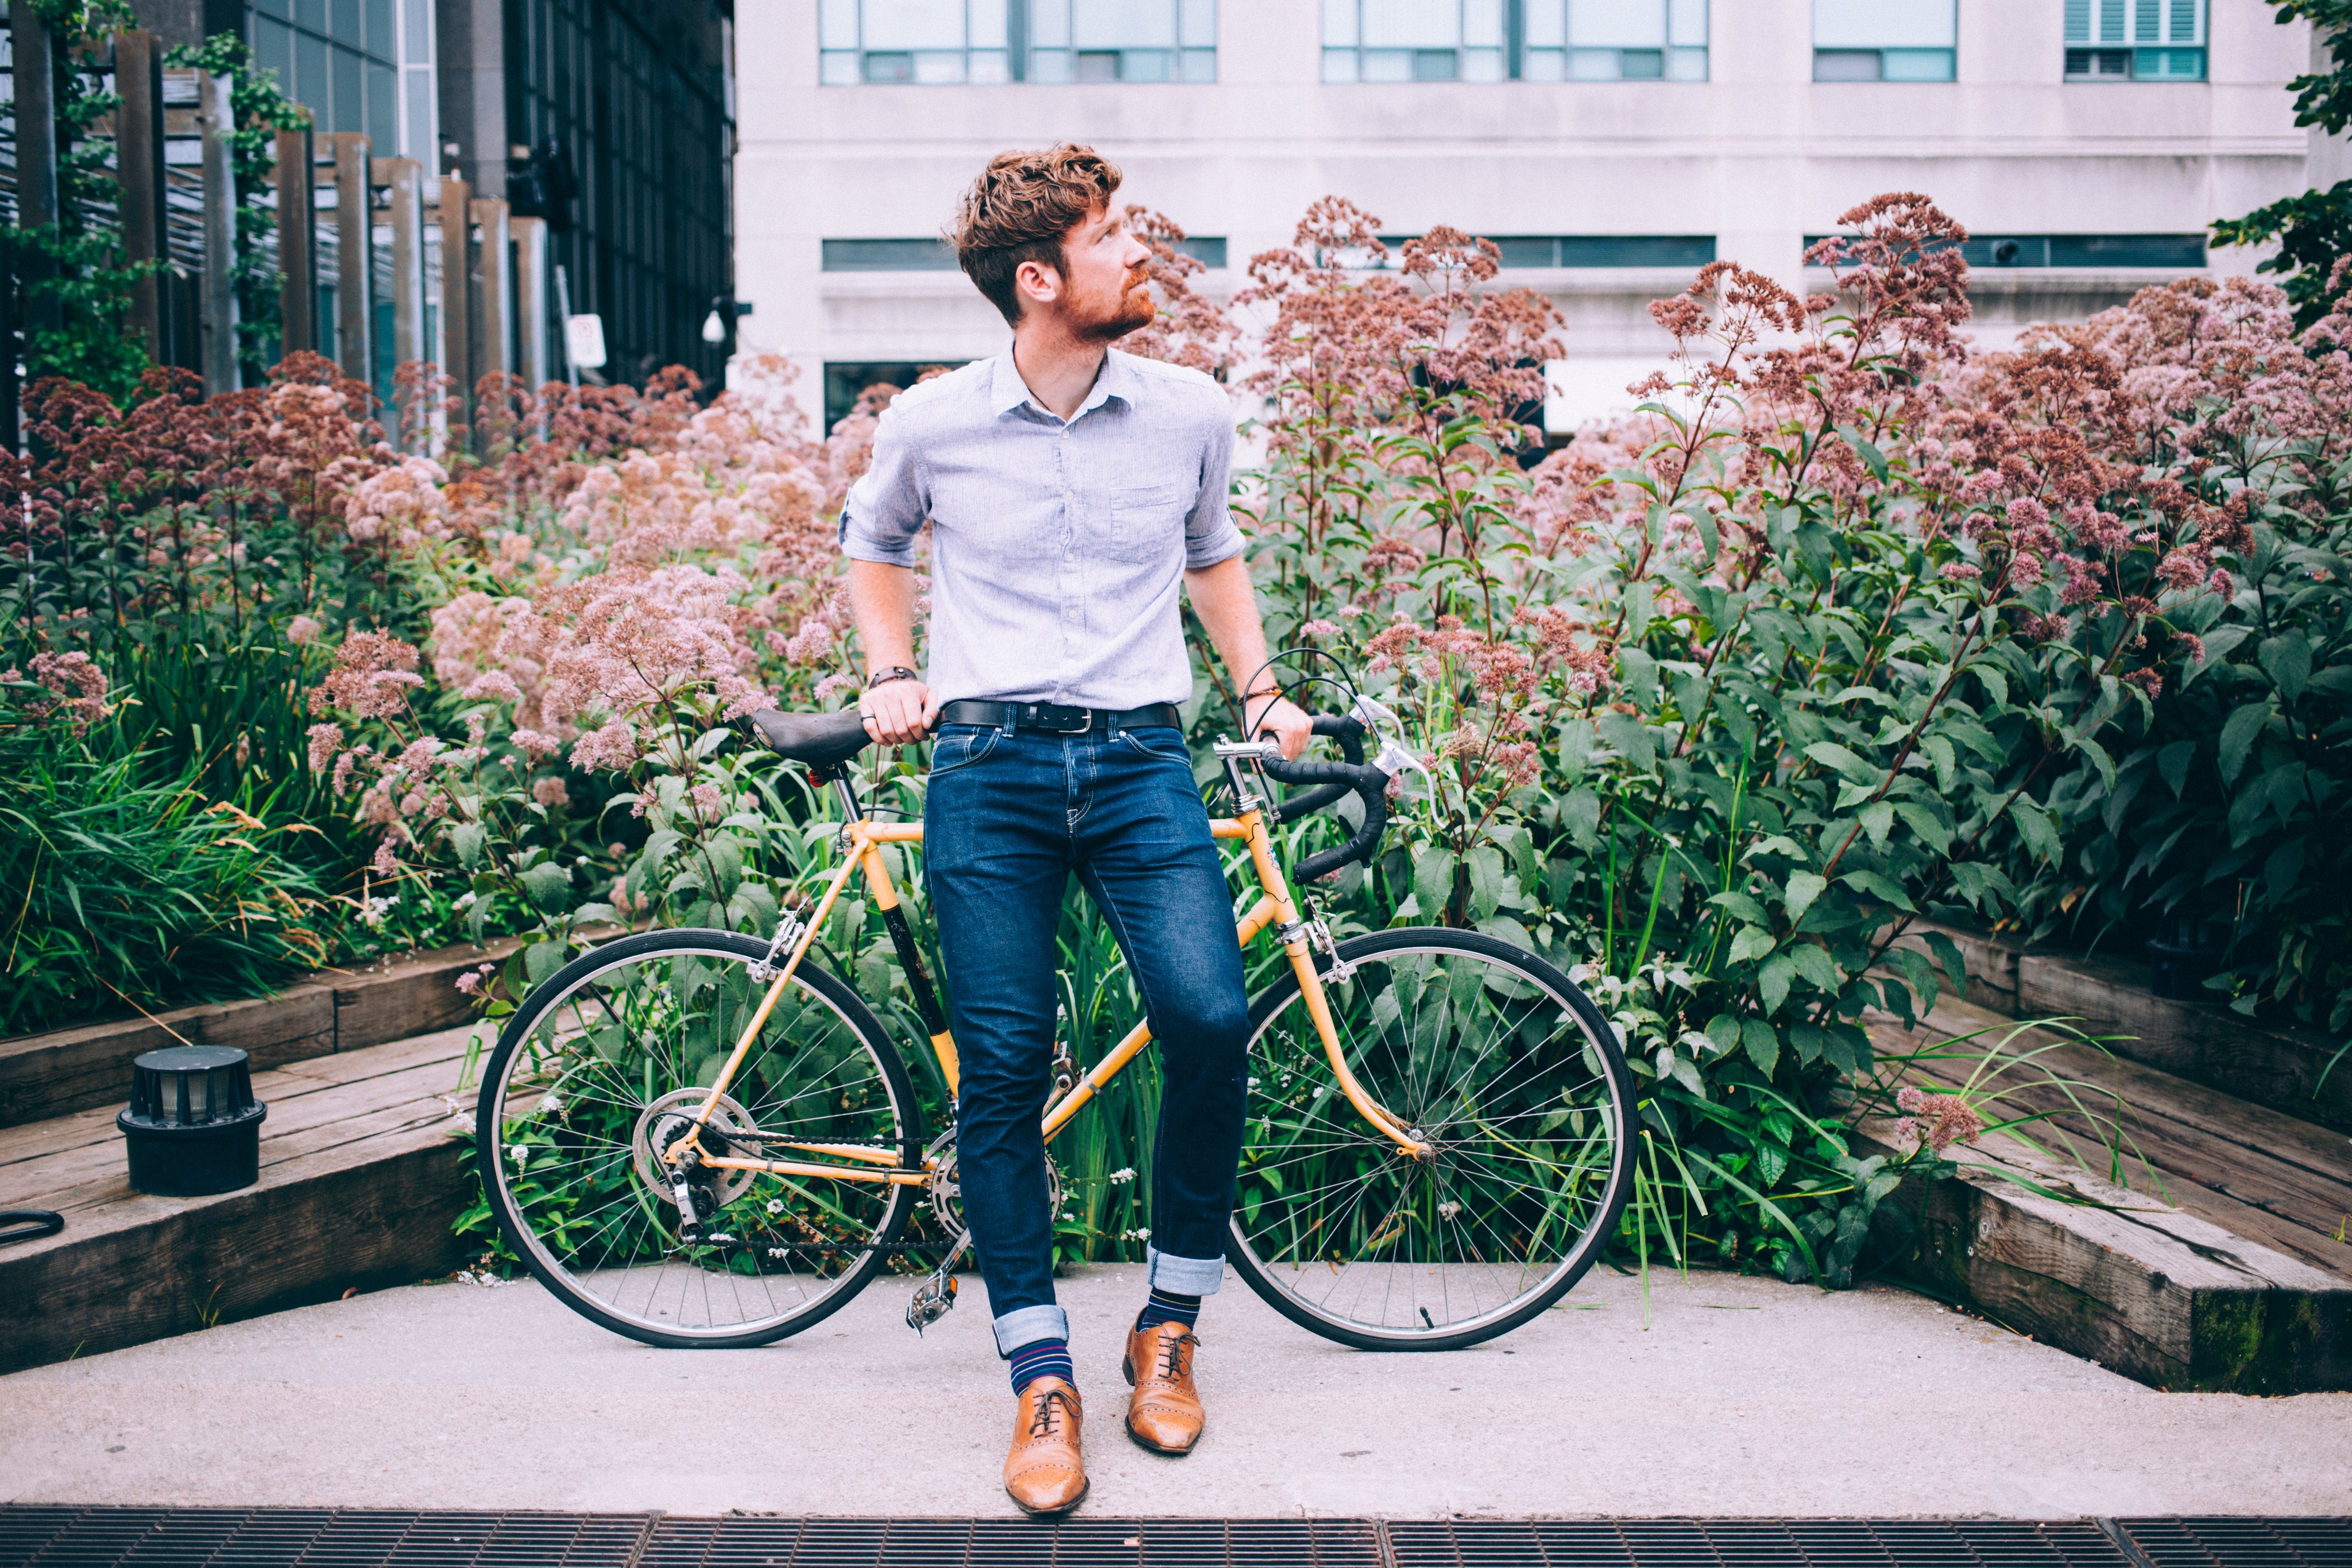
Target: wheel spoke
[624, 1057]
[1523, 1104]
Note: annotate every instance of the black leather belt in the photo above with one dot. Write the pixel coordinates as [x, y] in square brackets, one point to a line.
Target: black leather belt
[1055, 719]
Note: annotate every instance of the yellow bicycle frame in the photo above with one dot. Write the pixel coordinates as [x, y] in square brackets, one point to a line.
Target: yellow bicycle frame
[856, 1162]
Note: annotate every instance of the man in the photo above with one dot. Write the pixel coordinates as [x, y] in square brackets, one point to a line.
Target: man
[1070, 490]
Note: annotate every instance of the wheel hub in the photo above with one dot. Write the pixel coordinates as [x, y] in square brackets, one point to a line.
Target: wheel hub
[666, 1120]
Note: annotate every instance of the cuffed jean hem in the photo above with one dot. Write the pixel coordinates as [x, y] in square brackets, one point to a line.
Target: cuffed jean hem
[1183, 1276]
[1029, 1325]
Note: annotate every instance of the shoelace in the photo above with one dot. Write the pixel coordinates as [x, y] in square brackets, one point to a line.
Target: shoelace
[1176, 1351]
[1042, 1423]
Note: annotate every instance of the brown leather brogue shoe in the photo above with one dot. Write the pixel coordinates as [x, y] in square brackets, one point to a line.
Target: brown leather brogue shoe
[1044, 1473]
[1164, 1415]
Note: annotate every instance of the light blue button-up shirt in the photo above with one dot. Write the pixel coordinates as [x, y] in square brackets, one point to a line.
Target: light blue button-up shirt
[1059, 547]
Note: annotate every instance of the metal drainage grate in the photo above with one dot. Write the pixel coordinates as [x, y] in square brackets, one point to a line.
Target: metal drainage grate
[2242, 1543]
[751, 1542]
[312, 1538]
[1752, 1543]
[35, 1536]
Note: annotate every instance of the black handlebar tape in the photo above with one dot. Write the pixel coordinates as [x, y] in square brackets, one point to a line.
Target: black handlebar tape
[1359, 848]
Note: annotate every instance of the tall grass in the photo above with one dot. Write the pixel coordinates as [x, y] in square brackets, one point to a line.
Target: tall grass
[119, 892]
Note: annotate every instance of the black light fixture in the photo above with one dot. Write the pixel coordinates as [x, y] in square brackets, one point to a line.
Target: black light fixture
[192, 1126]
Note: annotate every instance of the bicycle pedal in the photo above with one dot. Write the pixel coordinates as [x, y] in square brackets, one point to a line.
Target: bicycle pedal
[931, 1301]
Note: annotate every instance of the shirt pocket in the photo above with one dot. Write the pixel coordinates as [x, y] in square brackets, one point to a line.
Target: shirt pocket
[1145, 522]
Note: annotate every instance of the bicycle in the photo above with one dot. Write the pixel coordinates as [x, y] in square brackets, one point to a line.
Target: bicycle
[700, 1138]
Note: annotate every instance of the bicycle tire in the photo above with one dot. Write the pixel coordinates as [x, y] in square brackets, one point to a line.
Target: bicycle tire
[1373, 1054]
[499, 1130]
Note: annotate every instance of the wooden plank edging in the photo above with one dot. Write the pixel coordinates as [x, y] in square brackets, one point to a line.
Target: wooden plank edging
[69, 1070]
[2120, 1278]
[2203, 1042]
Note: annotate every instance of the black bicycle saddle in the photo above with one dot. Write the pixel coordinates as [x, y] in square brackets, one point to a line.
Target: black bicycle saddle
[819, 740]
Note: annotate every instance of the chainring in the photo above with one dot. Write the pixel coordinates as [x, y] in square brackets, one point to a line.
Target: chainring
[946, 1185]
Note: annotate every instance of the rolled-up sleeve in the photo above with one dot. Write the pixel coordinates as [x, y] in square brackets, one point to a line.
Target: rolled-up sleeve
[887, 506]
[1210, 533]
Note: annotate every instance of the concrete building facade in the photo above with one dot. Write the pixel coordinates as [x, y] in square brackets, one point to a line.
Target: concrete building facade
[1608, 145]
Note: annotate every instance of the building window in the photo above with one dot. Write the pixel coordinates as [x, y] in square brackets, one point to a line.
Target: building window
[950, 42]
[1995, 252]
[937, 256]
[2135, 40]
[344, 63]
[1614, 40]
[1514, 40]
[1884, 40]
[1557, 251]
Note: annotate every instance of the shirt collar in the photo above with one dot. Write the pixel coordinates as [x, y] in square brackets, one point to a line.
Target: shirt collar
[1007, 391]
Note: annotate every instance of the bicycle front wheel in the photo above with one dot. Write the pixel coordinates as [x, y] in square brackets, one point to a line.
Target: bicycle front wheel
[605, 1066]
[1512, 1077]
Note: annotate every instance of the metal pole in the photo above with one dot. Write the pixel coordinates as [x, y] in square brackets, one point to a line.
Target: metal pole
[36, 115]
[298, 245]
[563, 314]
[354, 258]
[217, 323]
[531, 301]
[139, 163]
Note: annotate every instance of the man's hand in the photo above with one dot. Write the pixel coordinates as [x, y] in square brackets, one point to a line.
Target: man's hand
[899, 713]
[1271, 713]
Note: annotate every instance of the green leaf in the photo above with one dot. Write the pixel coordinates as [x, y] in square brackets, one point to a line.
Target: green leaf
[1813, 963]
[469, 839]
[1724, 1031]
[1923, 821]
[1433, 881]
[1486, 881]
[1579, 813]
[541, 959]
[550, 886]
[1763, 1044]
[1798, 895]
[1948, 954]
[1876, 818]
[1575, 748]
[1630, 739]
[2238, 734]
[1877, 885]
[1919, 973]
[1772, 980]
[1744, 907]
[1830, 754]
[2034, 827]
[1753, 942]
[2172, 764]
[2286, 659]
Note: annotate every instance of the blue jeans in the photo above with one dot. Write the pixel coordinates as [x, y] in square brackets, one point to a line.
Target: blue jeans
[1005, 822]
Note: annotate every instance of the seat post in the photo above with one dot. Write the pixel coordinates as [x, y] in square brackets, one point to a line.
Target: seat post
[849, 796]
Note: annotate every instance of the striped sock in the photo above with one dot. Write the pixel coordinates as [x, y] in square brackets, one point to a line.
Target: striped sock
[1168, 1307]
[1042, 1358]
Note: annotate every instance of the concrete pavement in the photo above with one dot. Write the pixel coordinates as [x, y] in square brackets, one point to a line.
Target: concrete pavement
[1722, 1397]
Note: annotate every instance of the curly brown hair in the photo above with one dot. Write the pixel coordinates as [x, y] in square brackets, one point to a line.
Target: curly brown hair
[1021, 209]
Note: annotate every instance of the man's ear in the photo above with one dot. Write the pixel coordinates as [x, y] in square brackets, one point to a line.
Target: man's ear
[1035, 280]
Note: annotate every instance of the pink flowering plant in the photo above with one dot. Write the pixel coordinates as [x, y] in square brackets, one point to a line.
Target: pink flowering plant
[1713, 700]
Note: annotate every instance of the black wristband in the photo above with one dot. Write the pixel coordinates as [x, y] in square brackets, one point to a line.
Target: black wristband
[895, 672]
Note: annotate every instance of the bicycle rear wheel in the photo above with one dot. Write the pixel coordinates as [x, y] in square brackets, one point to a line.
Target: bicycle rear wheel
[1515, 1080]
[605, 1066]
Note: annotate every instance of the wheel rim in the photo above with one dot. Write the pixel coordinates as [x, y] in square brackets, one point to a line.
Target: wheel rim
[596, 1079]
[1493, 1067]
